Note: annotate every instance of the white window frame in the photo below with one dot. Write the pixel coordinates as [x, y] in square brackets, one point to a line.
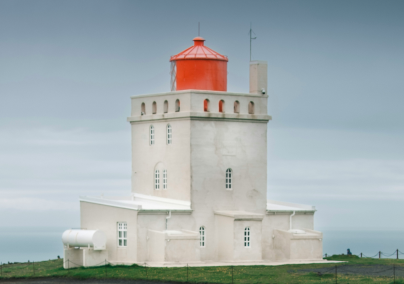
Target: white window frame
[122, 234]
[202, 236]
[165, 179]
[156, 179]
[152, 134]
[247, 237]
[169, 134]
[229, 176]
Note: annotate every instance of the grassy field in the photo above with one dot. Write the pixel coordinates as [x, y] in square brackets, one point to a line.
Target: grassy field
[356, 270]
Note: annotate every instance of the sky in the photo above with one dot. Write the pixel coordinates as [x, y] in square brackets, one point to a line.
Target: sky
[335, 87]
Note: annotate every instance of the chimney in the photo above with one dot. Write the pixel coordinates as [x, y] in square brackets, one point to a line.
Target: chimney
[258, 77]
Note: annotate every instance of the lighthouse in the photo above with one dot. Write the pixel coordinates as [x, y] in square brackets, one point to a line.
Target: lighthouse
[199, 177]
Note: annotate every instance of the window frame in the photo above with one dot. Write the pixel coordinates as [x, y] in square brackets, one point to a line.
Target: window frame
[236, 107]
[247, 237]
[169, 134]
[202, 236]
[156, 179]
[152, 134]
[165, 109]
[122, 234]
[165, 176]
[251, 107]
[177, 105]
[154, 108]
[229, 179]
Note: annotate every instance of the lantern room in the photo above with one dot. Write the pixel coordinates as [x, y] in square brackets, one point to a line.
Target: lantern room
[199, 68]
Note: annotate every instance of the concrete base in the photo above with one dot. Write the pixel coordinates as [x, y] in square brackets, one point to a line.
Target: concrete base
[244, 263]
[87, 257]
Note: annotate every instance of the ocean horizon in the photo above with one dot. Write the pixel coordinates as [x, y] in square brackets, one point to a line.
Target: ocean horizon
[44, 243]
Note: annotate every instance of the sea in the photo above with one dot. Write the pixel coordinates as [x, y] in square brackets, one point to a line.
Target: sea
[44, 243]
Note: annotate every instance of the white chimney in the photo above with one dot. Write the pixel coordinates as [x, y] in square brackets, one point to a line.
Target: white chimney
[258, 77]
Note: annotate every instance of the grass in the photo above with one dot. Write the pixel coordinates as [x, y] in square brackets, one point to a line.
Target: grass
[223, 274]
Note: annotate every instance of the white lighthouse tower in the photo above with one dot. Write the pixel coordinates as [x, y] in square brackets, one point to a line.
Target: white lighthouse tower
[199, 177]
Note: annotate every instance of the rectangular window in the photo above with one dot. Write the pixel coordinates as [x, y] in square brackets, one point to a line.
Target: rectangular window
[202, 237]
[157, 179]
[122, 234]
[247, 237]
[164, 179]
[169, 134]
[152, 135]
[228, 178]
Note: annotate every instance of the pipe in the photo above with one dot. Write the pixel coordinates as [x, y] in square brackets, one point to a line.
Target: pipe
[290, 222]
[168, 217]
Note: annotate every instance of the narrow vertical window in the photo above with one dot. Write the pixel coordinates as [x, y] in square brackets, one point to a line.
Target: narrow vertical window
[221, 106]
[177, 105]
[165, 106]
[164, 179]
[236, 107]
[122, 234]
[206, 105]
[151, 135]
[157, 179]
[202, 237]
[251, 108]
[154, 108]
[247, 237]
[143, 109]
[169, 134]
[228, 178]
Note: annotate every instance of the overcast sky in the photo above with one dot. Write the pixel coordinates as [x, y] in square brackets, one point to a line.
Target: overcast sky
[335, 86]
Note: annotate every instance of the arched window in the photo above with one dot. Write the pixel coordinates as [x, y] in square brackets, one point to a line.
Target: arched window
[251, 108]
[164, 179]
[154, 108]
[236, 107]
[177, 105]
[143, 109]
[202, 236]
[228, 178]
[247, 236]
[156, 179]
[206, 105]
[221, 106]
[169, 134]
[165, 106]
[151, 135]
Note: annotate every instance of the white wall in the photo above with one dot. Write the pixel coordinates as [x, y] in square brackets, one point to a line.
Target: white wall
[105, 218]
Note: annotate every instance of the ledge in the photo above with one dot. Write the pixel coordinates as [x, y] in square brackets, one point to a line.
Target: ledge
[200, 92]
[264, 118]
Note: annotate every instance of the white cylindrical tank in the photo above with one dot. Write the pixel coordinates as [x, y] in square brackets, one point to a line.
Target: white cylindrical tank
[85, 238]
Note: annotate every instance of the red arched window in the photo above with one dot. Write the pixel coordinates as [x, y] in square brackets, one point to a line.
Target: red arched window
[221, 105]
[206, 105]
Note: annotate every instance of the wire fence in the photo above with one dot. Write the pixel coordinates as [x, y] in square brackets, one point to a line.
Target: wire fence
[396, 254]
[329, 273]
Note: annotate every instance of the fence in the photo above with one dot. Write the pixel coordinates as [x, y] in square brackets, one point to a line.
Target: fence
[328, 273]
[379, 255]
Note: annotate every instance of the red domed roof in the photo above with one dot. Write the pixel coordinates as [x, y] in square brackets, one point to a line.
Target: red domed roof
[198, 51]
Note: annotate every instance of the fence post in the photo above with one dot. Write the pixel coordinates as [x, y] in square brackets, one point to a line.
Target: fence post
[336, 273]
[397, 253]
[325, 255]
[394, 272]
[361, 255]
[2, 269]
[33, 267]
[68, 272]
[379, 254]
[232, 278]
[105, 264]
[145, 266]
[187, 272]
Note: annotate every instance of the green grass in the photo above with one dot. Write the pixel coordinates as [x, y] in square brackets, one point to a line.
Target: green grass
[222, 274]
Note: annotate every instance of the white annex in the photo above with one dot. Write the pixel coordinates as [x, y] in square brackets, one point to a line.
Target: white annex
[199, 188]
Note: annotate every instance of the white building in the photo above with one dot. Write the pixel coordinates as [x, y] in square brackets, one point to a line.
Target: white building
[199, 183]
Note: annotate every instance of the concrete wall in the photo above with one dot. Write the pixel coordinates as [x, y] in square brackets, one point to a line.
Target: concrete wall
[94, 257]
[254, 251]
[105, 218]
[72, 258]
[281, 221]
[155, 246]
[224, 233]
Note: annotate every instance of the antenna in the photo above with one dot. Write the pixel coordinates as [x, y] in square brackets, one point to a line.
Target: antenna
[199, 29]
[251, 37]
